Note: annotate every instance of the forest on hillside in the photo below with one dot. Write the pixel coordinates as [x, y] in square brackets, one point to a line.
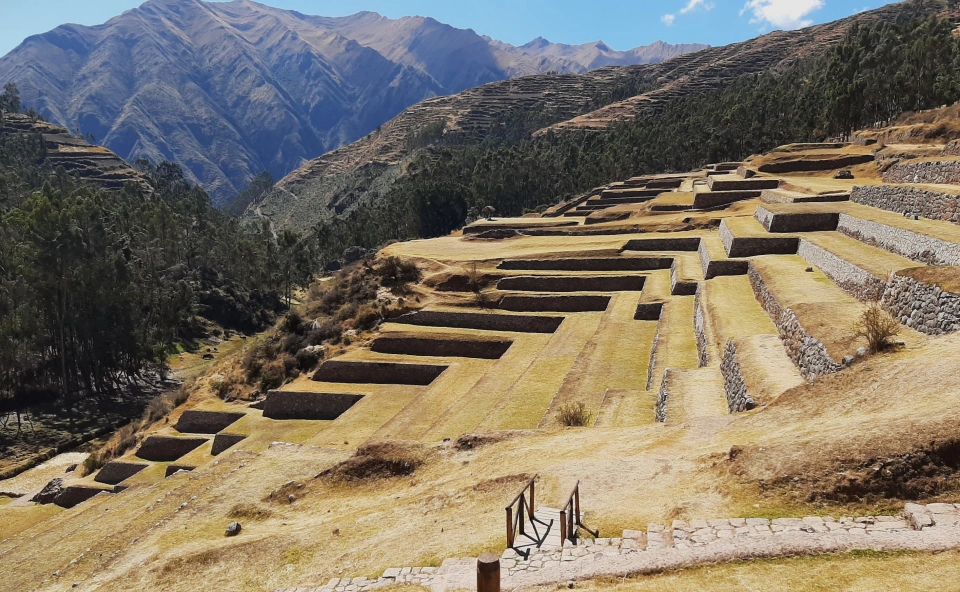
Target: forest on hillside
[877, 73]
[98, 287]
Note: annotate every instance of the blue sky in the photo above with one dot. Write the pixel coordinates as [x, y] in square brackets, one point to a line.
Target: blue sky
[621, 23]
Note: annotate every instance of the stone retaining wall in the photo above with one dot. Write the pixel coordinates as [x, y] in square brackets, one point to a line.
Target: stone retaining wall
[586, 264]
[577, 303]
[663, 244]
[912, 245]
[717, 267]
[315, 406]
[173, 469]
[756, 246]
[700, 330]
[205, 422]
[796, 221]
[705, 200]
[738, 399]
[908, 200]
[808, 164]
[660, 411]
[166, 448]
[653, 358]
[679, 287]
[481, 321]
[754, 184]
[773, 197]
[938, 172]
[807, 352]
[629, 192]
[648, 311]
[486, 349]
[114, 472]
[377, 373]
[922, 307]
[222, 442]
[77, 494]
[603, 283]
[854, 280]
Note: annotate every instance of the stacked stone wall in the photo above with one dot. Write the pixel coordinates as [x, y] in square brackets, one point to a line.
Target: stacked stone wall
[457, 347]
[660, 410]
[589, 264]
[571, 303]
[854, 280]
[653, 358]
[663, 244]
[807, 352]
[939, 172]
[734, 386]
[796, 221]
[700, 330]
[908, 200]
[377, 373]
[604, 283]
[922, 307]
[304, 405]
[714, 268]
[481, 321]
[912, 245]
[679, 287]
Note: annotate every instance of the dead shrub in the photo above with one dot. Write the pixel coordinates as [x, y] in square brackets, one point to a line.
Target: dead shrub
[394, 271]
[379, 460]
[251, 512]
[574, 415]
[878, 327]
[157, 409]
[272, 375]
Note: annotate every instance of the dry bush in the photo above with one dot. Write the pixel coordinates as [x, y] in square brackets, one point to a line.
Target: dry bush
[251, 512]
[394, 271]
[157, 409]
[574, 415]
[379, 460]
[878, 327]
[126, 438]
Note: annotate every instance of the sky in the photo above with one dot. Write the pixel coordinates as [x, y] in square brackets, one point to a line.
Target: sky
[622, 24]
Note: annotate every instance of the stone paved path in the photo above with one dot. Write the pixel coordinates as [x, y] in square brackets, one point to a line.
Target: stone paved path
[932, 527]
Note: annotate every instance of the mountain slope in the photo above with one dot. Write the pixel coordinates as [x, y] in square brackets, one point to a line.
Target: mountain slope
[571, 102]
[230, 89]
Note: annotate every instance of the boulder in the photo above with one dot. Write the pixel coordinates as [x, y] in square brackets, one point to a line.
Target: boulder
[233, 529]
[49, 492]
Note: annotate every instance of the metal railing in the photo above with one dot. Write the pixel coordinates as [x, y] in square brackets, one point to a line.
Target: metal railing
[525, 503]
[570, 521]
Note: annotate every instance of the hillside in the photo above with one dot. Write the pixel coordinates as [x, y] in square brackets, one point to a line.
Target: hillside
[370, 166]
[231, 89]
[93, 164]
[709, 323]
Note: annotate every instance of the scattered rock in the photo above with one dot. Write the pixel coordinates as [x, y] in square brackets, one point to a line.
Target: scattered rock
[71, 468]
[809, 270]
[861, 352]
[847, 360]
[844, 174]
[233, 529]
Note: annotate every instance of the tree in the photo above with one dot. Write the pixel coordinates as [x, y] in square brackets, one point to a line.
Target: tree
[10, 99]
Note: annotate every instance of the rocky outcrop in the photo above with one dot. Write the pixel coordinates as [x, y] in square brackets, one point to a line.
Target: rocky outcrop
[807, 352]
[735, 387]
[934, 205]
[858, 282]
[912, 245]
[920, 306]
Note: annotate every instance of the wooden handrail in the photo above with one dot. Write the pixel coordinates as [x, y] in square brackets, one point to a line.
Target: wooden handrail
[525, 504]
[570, 521]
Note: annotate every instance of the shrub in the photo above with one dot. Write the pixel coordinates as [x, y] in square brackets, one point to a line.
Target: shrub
[157, 409]
[293, 323]
[574, 415]
[221, 387]
[291, 343]
[394, 271]
[308, 359]
[367, 316]
[878, 327]
[272, 375]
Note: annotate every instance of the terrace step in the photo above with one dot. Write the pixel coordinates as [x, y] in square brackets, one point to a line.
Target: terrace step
[362, 372]
[745, 237]
[783, 219]
[482, 321]
[588, 264]
[602, 283]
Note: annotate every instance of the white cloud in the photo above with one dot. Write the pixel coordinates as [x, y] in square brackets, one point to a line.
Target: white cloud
[668, 19]
[782, 14]
[694, 4]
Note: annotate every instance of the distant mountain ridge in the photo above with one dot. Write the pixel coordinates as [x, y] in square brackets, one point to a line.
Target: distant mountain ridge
[229, 89]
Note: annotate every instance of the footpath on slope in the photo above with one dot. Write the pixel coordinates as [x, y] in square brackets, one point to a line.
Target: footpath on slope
[930, 528]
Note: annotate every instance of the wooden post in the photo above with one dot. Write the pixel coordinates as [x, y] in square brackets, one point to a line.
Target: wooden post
[533, 505]
[520, 518]
[563, 527]
[510, 527]
[576, 497]
[488, 573]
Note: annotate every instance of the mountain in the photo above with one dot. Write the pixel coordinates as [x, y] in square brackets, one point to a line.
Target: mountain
[230, 89]
[570, 102]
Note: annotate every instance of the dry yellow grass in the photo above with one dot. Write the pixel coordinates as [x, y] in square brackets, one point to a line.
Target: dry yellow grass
[947, 277]
[853, 572]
